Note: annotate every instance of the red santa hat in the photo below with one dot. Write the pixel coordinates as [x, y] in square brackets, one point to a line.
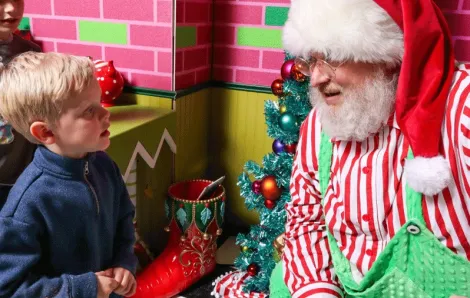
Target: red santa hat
[410, 33]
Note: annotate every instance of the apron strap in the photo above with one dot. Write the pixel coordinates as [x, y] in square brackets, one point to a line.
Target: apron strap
[414, 207]
[324, 161]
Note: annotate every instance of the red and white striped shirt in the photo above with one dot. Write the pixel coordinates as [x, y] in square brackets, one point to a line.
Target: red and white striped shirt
[365, 203]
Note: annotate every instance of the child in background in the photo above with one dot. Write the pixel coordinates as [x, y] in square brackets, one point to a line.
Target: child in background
[66, 229]
[15, 151]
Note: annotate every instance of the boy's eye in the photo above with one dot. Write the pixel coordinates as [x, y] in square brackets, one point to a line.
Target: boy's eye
[89, 111]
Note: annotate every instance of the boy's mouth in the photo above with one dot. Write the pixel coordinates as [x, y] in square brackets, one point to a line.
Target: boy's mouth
[9, 21]
[105, 133]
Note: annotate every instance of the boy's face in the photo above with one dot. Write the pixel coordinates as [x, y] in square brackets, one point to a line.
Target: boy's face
[11, 12]
[83, 125]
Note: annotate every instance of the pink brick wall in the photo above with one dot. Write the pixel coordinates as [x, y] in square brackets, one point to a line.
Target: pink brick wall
[193, 62]
[243, 64]
[145, 59]
[260, 66]
[457, 13]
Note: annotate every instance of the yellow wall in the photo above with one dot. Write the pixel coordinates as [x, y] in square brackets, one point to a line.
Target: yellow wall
[237, 134]
[192, 126]
[146, 100]
[218, 131]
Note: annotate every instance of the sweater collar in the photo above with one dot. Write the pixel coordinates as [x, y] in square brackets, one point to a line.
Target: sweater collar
[8, 40]
[46, 159]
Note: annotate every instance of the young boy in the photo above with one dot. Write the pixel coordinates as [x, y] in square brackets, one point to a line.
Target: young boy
[15, 151]
[66, 229]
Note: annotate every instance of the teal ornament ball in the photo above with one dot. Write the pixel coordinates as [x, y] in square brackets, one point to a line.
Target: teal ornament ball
[288, 122]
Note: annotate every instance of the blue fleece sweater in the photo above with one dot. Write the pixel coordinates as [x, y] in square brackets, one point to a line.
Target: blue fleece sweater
[64, 220]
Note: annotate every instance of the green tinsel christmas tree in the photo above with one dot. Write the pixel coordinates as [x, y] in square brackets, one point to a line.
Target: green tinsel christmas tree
[269, 192]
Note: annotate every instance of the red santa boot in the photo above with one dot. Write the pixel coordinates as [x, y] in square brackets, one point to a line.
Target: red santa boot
[190, 253]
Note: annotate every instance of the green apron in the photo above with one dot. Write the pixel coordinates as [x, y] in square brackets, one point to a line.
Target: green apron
[413, 264]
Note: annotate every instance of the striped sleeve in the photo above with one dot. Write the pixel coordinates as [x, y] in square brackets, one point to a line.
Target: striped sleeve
[308, 270]
[461, 105]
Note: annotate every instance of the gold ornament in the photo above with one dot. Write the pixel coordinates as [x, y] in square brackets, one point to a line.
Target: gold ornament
[206, 236]
[245, 249]
[282, 109]
[302, 66]
[166, 229]
[279, 243]
[219, 232]
[297, 75]
[183, 238]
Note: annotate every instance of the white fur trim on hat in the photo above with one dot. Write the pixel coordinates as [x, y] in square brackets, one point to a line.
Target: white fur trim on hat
[356, 30]
[428, 175]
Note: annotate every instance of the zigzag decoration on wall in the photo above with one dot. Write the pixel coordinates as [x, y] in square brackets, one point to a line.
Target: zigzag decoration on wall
[151, 161]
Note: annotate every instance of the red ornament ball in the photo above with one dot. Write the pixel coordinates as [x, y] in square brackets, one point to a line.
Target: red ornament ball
[256, 187]
[252, 269]
[286, 69]
[269, 204]
[277, 87]
[291, 148]
[269, 188]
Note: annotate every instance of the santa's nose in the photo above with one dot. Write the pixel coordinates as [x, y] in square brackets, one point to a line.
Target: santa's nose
[317, 78]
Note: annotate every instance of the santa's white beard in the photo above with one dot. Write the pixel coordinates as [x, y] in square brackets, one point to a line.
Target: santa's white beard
[363, 111]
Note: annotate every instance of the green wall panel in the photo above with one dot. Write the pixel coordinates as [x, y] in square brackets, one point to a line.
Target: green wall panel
[112, 33]
[259, 37]
[276, 16]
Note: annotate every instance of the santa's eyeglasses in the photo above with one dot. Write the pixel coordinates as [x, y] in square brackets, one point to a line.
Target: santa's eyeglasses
[307, 67]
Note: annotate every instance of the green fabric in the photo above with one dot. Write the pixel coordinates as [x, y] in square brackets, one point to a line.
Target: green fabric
[277, 287]
[413, 264]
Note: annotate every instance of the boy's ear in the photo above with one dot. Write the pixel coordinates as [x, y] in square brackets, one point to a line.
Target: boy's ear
[41, 131]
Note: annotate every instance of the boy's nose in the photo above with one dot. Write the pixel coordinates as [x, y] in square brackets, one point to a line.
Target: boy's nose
[107, 114]
[9, 7]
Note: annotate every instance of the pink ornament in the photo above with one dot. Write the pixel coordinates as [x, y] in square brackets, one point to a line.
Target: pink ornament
[256, 187]
[286, 69]
[110, 80]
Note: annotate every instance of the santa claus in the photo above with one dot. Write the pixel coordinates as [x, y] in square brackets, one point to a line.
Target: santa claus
[380, 186]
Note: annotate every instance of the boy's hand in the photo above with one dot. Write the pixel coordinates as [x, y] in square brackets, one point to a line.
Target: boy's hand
[106, 285]
[126, 282]
[107, 273]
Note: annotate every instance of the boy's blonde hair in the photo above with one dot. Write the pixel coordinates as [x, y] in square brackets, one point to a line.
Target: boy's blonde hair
[34, 86]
